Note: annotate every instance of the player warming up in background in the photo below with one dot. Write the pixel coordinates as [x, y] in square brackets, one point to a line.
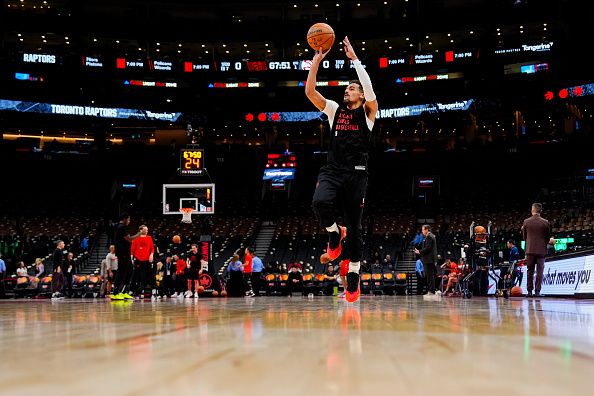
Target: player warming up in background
[342, 182]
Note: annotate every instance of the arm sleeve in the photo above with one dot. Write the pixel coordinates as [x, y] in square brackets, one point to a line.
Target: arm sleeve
[365, 81]
[133, 248]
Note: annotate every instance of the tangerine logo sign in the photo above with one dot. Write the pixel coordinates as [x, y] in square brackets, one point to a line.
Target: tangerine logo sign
[205, 281]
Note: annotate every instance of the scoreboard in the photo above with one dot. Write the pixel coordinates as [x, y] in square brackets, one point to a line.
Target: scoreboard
[191, 162]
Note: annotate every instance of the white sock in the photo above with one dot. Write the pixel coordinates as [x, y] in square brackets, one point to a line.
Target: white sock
[354, 266]
[333, 228]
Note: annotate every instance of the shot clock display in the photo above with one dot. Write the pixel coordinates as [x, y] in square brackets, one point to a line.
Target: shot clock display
[191, 162]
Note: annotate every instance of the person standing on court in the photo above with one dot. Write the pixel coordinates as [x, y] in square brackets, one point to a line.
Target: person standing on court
[58, 275]
[342, 182]
[247, 272]
[122, 242]
[192, 272]
[69, 270]
[536, 232]
[257, 268]
[142, 251]
[428, 255]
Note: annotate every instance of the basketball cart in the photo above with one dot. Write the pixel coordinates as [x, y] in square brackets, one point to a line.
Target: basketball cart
[514, 274]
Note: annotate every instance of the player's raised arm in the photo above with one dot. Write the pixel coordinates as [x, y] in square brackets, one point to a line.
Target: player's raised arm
[370, 98]
[310, 86]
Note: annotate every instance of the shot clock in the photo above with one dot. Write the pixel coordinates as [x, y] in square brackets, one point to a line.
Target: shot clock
[191, 162]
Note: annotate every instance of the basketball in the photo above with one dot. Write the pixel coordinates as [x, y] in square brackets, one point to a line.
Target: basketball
[224, 293]
[200, 289]
[320, 35]
[480, 230]
[516, 291]
[176, 239]
[215, 293]
[324, 258]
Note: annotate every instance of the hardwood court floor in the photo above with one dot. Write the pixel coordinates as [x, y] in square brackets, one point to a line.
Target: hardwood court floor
[297, 346]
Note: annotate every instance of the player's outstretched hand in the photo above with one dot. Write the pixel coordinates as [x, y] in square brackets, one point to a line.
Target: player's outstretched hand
[348, 49]
[319, 55]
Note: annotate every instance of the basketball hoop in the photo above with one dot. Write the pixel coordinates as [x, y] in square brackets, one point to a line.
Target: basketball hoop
[186, 215]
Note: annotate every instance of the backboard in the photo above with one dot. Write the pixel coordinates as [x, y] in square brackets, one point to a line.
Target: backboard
[200, 197]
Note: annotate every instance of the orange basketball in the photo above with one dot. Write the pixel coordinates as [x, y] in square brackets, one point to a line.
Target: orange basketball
[200, 289]
[324, 258]
[320, 35]
[176, 239]
[224, 293]
[215, 293]
[480, 230]
[516, 291]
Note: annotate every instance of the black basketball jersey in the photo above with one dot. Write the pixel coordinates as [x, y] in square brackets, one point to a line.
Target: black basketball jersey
[349, 139]
[194, 260]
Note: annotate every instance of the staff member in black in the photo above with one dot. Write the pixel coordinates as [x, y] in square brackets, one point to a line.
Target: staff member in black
[342, 182]
[123, 241]
[428, 254]
[58, 275]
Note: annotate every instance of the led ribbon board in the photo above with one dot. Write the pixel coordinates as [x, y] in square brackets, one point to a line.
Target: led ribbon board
[430, 77]
[526, 48]
[86, 111]
[299, 64]
[398, 112]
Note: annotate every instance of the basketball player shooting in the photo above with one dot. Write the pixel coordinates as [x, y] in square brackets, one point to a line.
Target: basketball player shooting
[342, 182]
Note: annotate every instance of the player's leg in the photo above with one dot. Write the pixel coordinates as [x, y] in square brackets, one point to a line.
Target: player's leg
[135, 283]
[127, 276]
[531, 265]
[146, 280]
[196, 287]
[324, 206]
[189, 293]
[353, 200]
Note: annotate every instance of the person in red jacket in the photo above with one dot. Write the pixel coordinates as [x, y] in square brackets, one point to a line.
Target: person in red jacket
[142, 251]
[180, 275]
[247, 272]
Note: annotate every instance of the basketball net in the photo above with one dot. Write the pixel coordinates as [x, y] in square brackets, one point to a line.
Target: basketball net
[186, 215]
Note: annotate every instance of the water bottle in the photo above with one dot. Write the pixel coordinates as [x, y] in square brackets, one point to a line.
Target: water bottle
[310, 295]
[335, 292]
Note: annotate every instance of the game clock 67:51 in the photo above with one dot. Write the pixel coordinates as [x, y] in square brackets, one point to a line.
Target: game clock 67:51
[191, 161]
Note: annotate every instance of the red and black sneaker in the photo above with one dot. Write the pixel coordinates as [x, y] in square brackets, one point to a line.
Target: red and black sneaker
[353, 291]
[333, 253]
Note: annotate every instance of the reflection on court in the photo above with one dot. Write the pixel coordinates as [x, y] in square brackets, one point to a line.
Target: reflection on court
[297, 345]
